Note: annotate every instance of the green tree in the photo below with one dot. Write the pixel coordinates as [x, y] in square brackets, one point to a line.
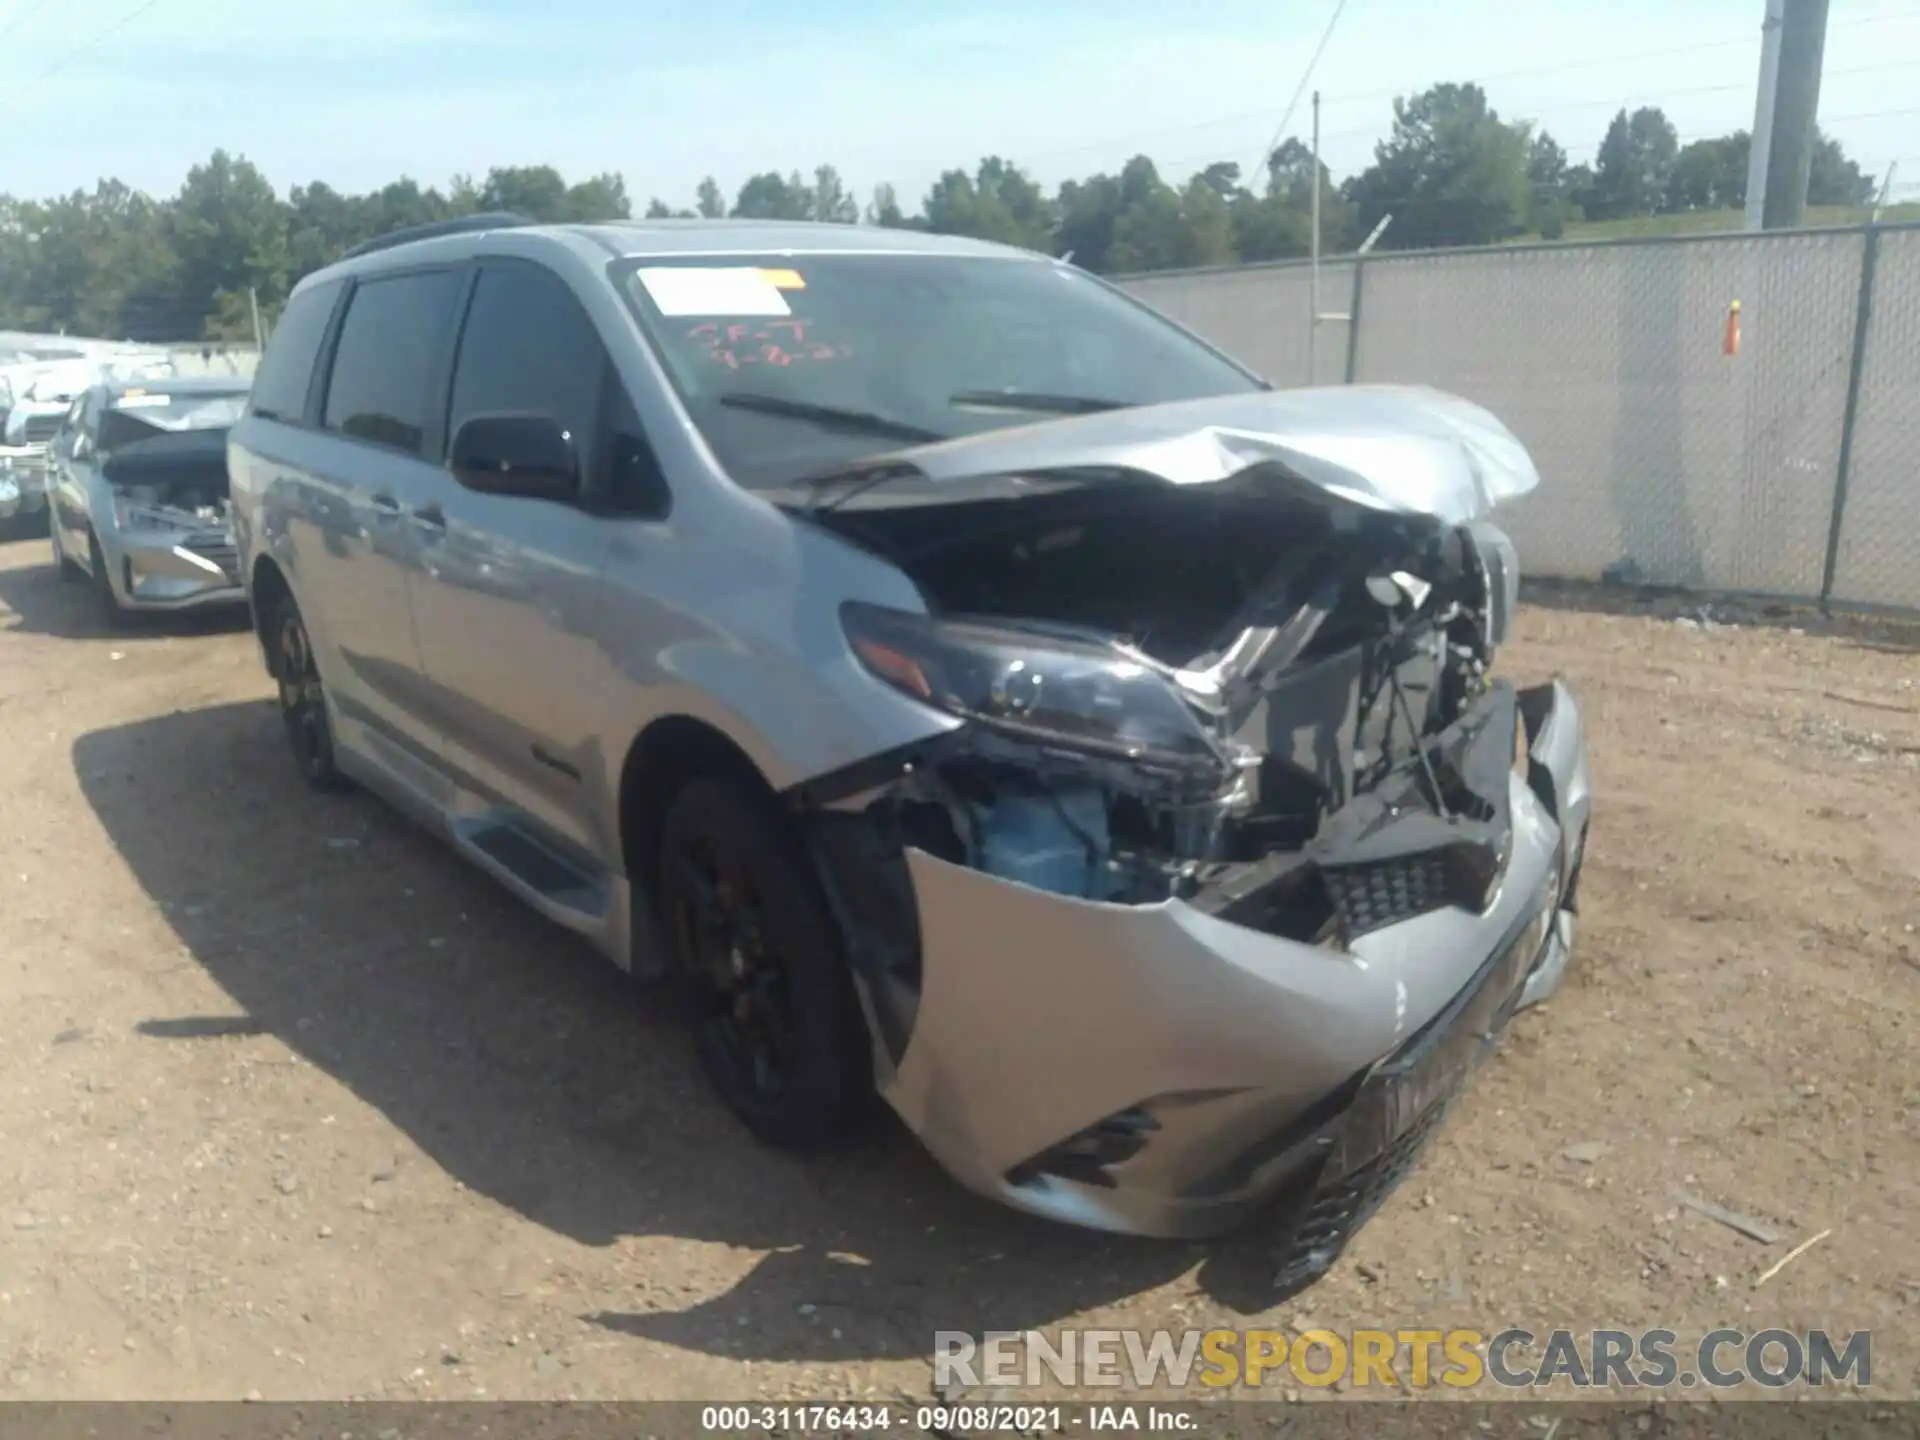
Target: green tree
[1836, 180]
[1148, 230]
[321, 222]
[709, 201]
[1549, 178]
[1633, 172]
[604, 197]
[1206, 226]
[997, 202]
[230, 233]
[1710, 174]
[535, 191]
[1088, 209]
[884, 210]
[773, 196]
[1290, 182]
[1450, 172]
[831, 202]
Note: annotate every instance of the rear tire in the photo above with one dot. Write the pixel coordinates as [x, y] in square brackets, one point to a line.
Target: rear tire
[757, 961]
[302, 698]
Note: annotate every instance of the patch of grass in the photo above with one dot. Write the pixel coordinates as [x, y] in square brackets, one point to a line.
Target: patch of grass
[1713, 222]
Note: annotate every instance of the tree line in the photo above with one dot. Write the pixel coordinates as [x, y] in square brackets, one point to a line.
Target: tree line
[1451, 171]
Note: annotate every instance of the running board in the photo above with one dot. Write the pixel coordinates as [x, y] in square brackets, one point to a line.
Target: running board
[552, 883]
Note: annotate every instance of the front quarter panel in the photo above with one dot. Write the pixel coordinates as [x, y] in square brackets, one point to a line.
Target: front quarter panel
[735, 620]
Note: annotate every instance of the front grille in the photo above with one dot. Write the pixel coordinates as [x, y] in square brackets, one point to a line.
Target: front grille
[1337, 1210]
[41, 428]
[1375, 895]
[218, 548]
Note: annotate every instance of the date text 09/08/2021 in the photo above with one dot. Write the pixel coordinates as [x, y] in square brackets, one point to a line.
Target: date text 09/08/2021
[943, 1419]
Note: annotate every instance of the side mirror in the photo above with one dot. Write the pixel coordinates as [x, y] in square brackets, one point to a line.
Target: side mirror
[525, 455]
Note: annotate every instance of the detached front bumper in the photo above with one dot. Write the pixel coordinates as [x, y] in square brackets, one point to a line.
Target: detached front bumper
[1158, 1070]
[173, 570]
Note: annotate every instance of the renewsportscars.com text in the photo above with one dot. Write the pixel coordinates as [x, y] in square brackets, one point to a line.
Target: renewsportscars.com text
[1410, 1359]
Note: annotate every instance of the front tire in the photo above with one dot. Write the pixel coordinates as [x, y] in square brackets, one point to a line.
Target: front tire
[303, 699]
[111, 610]
[69, 569]
[758, 962]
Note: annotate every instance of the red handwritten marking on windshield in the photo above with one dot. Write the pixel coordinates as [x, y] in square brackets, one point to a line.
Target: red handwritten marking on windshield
[771, 342]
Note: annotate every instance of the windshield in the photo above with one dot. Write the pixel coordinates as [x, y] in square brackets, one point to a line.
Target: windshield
[140, 415]
[794, 364]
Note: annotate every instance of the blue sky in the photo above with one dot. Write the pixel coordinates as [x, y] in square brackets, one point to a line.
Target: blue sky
[356, 92]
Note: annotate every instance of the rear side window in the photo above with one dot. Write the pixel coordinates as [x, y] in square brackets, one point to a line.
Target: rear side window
[383, 365]
[286, 369]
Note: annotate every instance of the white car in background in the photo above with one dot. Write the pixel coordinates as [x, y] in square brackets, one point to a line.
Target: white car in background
[138, 499]
[37, 398]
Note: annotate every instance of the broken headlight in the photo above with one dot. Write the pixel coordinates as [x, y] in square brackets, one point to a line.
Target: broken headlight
[129, 513]
[1499, 566]
[1055, 689]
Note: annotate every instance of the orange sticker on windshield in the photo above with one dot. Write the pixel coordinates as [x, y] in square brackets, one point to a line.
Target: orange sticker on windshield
[784, 279]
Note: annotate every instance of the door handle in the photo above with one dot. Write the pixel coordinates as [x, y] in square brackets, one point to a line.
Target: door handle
[386, 503]
[431, 516]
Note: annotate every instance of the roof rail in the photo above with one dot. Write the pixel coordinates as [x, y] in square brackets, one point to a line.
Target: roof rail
[462, 225]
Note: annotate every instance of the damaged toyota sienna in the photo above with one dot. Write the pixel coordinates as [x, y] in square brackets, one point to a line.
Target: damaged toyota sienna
[965, 686]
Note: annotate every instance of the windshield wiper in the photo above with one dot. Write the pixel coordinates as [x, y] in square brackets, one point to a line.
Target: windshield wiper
[1036, 401]
[862, 422]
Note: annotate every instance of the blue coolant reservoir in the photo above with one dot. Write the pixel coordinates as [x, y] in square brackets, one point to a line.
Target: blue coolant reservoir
[1057, 842]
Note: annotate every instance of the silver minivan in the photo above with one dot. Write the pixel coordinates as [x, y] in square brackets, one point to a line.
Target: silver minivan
[963, 684]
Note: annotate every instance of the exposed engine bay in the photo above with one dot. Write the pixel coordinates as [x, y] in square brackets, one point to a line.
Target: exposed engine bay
[173, 480]
[1264, 700]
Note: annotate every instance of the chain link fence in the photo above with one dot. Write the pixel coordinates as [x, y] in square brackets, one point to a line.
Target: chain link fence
[1788, 468]
[1260, 315]
[1877, 542]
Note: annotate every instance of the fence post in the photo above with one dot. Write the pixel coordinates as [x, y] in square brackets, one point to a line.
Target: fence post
[1863, 316]
[1353, 318]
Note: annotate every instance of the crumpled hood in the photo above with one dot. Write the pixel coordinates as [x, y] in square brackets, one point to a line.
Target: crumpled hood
[1402, 449]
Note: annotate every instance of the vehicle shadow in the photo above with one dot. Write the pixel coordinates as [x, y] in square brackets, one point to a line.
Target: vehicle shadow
[538, 1076]
[35, 601]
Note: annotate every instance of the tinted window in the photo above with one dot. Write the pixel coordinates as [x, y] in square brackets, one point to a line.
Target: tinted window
[286, 369]
[383, 365]
[934, 345]
[528, 347]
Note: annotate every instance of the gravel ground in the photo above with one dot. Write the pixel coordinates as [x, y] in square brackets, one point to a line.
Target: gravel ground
[293, 1104]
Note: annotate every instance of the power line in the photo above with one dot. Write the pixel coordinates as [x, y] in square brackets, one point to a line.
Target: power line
[1589, 64]
[1134, 137]
[84, 46]
[1616, 102]
[1299, 90]
[21, 15]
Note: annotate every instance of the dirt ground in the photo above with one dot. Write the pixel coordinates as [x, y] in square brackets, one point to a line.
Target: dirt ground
[293, 1104]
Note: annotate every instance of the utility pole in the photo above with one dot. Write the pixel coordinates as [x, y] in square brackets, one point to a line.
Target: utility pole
[1793, 48]
[253, 299]
[1313, 243]
[1761, 148]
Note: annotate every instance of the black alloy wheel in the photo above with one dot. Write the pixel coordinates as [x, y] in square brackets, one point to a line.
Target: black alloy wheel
[303, 700]
[758, 963]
